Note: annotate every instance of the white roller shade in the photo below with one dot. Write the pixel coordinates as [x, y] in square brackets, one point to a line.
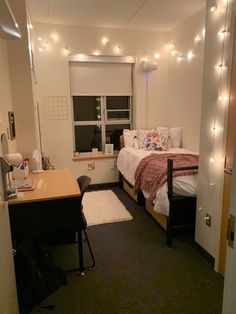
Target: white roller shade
[100, 79]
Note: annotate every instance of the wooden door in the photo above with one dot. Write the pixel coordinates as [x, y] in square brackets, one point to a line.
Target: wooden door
[229, 300]
[231, 130]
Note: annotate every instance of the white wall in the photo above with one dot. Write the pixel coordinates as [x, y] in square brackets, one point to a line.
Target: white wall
[5, 94]
[20, 74]
[53, 78]
[161, 97]
[185, 80]
[212, 144]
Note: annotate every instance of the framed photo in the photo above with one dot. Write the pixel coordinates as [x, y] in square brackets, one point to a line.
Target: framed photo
[109, 149]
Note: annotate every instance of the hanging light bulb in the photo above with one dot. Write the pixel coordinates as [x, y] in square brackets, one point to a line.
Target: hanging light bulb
[197, 39]
[180, 58]
[190, 55]
[222, 34]
[54, 37]
[223, 98]
[212, 160]
[203, 33]
[117, 49]
[66, 51]
[96, 53]
[39, 38]
[220, 66]
[30, 25]
[213, 7]
[214, 129]
[171, 46]
[157, 55]
[105, 41]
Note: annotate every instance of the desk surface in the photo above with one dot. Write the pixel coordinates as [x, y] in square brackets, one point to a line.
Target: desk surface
[49, 185]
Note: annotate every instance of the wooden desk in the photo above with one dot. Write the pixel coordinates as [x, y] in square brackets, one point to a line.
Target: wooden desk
[49, 185]
[52, 207]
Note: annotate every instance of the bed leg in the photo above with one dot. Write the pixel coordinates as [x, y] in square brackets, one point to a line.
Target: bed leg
[169, 238]
[169, 233]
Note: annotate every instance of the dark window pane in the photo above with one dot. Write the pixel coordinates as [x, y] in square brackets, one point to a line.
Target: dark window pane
[87, 108]
[113, 133]
[118, 102]
[118, 115]
[88, 137]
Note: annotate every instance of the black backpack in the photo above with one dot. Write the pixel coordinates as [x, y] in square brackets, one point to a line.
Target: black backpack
[37, 276]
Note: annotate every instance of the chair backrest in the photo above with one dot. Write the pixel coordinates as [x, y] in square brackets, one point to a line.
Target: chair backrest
[83, 182]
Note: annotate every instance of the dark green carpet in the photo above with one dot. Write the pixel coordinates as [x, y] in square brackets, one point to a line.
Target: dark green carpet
[137, 273]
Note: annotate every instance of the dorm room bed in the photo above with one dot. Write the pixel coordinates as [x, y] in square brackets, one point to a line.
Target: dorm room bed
[174, 206]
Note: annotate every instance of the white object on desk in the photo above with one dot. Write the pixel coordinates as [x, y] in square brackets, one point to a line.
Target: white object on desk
[14, 159]
[109, 149]
[20, 173]
[21, 184]
[38, 159]
[94, 150]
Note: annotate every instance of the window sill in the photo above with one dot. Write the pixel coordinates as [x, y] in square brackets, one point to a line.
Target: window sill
[89, 156]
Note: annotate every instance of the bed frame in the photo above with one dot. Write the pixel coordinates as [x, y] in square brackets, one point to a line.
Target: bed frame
[182, 210]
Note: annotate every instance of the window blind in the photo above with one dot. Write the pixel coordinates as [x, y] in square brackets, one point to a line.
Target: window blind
[100, 79]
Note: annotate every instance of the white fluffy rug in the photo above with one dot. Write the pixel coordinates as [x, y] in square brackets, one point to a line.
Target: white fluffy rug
[102, 207]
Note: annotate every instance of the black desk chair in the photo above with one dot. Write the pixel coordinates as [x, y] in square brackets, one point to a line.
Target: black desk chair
[83, 182]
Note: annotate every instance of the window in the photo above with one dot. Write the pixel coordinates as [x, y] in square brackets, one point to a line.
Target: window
[100, 120]
[101, 88]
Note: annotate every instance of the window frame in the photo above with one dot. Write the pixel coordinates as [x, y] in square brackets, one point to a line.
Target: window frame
[104, 120]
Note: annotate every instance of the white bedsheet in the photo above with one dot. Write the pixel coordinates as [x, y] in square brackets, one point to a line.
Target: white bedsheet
[127, 163]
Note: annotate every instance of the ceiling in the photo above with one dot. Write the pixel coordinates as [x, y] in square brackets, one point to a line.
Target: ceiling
[158, 15]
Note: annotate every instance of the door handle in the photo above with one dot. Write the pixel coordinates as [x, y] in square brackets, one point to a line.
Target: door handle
[231, 231]
[228, 170]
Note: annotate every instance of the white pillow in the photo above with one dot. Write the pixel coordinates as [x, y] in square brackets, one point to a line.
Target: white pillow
[176, 137]
[129, 137]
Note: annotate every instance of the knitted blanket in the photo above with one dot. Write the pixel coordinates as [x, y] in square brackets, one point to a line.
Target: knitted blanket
[151, 172]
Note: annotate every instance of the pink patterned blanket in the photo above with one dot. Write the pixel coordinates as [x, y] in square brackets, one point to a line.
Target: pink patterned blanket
[151, 172]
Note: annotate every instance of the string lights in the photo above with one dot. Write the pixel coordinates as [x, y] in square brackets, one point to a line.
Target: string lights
[188, 55]
[222, 98]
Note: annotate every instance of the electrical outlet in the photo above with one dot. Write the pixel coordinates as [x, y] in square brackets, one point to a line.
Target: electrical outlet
[91, 166]
[208, 220]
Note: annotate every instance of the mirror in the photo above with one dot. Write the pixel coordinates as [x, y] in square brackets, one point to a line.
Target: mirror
[8, 26]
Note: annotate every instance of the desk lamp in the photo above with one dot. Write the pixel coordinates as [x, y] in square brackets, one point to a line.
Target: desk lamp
[5, 168]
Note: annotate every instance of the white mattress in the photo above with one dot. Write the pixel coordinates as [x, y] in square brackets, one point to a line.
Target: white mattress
[127, 163]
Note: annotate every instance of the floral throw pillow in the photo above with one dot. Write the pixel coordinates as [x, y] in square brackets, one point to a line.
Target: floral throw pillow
[158, 141]
[142, 137]
[163, 129]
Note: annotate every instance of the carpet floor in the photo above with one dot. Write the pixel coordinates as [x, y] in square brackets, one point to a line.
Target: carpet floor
[136, 273]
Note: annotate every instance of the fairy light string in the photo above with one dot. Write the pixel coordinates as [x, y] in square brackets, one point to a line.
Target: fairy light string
[222, 68]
